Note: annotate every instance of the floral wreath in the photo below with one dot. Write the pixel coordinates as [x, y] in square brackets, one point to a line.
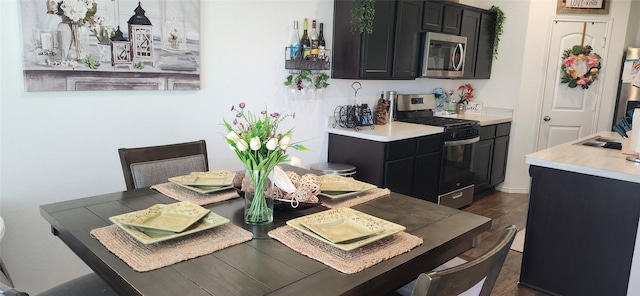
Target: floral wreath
[580, 66]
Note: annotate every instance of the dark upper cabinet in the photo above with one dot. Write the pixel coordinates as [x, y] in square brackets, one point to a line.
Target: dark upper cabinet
[390, 52]
[438, 17]
[477, 26]
[451, 20]
[469, 28]
[407, 40]
[432, 16]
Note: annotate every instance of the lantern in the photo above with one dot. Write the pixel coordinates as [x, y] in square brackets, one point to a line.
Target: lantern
[141, 37]
[120, 50]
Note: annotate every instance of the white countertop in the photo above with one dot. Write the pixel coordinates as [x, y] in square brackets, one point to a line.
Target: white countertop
[485, 119]
[401, 130]
[386, 133]
[595, 161]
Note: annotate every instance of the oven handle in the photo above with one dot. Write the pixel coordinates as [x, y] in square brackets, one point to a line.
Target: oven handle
[461, 142]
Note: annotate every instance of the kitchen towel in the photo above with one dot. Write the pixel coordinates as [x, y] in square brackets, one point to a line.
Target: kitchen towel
[635, 131]
[182, 194]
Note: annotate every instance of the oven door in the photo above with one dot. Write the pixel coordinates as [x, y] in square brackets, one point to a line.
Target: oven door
[457, 161]
[443, 55]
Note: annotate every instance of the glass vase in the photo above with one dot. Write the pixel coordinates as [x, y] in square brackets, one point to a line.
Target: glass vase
[258, 205]
[73, 41]
[461, 108]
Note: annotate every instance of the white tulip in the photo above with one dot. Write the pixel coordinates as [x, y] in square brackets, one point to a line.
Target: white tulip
[233, 136]
[272, 144]
[231, 147]
[242, 145]
[295, 161]
[284, 142]
[255, 143]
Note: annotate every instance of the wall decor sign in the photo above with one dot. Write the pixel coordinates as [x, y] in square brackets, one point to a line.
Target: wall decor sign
[583, 6]
[76, 45]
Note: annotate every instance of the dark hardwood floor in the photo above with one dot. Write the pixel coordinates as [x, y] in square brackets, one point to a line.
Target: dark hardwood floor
[505, 209]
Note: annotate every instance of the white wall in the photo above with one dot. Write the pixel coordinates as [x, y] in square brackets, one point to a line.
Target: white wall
[58, 146]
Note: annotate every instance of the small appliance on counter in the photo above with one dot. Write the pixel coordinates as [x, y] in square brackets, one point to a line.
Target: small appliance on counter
[460, 136]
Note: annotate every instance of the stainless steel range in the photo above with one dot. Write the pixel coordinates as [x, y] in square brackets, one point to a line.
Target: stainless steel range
[460, 135]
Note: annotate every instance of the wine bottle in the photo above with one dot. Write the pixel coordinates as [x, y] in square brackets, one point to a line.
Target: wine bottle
[314, 41]
[321, 43]
[295, 43]
[305, 42]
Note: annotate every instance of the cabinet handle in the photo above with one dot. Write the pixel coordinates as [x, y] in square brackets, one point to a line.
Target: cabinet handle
[459, 194]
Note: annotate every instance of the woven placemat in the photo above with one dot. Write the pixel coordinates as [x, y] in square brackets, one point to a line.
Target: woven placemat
[356, 200]
[346, 261]
[182, 194]
[149, 257]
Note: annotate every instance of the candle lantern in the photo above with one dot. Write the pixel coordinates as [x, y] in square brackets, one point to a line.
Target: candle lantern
[120, 50]
[141, 37]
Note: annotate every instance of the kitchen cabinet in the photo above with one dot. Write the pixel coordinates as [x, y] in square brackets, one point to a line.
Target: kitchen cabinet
[438, 17]
[410, 166]
[391, 51]
[491, 156]
[477, 26]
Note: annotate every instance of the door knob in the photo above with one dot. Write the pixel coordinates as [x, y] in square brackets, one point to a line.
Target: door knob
[546, 118]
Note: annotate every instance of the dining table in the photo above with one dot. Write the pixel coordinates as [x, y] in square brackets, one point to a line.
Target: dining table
[264, 265]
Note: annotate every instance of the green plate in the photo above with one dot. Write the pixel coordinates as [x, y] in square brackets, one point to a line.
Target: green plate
[335, 187]
[375, 227]
[172, 217]
[199, 189]
[216, 178]
[150, 236]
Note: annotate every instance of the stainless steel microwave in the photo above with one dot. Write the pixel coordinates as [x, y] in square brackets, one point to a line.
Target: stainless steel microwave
[443, 55]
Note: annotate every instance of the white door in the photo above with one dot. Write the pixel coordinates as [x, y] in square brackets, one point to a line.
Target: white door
[569, 113]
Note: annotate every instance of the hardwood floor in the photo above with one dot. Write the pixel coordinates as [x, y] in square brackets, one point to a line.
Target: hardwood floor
[505, 209]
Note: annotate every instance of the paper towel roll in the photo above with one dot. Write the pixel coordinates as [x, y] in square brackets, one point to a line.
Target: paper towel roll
[635, 131]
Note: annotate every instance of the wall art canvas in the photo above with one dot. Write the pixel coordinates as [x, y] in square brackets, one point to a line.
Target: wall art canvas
[84, 45]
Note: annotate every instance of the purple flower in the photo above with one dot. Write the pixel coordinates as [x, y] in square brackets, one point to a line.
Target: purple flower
[233, 107]
[241, 105]
[263, 112]
[275, 115]
[235, 121]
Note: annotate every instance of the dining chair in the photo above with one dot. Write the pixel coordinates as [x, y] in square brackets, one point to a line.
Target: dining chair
[146, 166]
[86, 285]
[475, 277]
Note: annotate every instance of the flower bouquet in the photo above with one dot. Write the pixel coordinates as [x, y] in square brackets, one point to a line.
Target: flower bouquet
[260, 146]
[466, 93]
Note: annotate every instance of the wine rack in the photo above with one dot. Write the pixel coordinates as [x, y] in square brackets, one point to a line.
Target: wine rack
[304, 64]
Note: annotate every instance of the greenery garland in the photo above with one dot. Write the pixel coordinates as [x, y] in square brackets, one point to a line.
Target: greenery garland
[580, 66]
[362, 15]
[500, 17]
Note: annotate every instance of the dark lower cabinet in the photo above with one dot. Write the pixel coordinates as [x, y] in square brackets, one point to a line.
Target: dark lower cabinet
[491, 156]
[410, 166]
[580, 234]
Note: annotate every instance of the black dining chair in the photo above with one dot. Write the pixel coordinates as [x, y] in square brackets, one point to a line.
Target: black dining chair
[476, 277]
[86, 285]
[147, 166]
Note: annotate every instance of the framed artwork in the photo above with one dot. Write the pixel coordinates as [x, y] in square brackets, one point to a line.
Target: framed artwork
[75, 45]
[583, 6]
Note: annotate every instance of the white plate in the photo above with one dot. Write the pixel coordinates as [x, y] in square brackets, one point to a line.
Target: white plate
[378, 228]
[172, 217]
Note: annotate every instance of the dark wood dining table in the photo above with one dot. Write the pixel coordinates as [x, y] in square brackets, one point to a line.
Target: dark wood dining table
[264, 266]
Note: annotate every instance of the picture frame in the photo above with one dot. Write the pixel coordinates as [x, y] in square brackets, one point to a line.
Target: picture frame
[583, 6]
